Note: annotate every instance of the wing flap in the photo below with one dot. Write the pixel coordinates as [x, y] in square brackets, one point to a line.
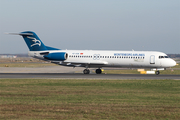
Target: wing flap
[79, 64]
[91, 62]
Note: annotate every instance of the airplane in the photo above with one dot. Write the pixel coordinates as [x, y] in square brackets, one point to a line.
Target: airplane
[96, 58]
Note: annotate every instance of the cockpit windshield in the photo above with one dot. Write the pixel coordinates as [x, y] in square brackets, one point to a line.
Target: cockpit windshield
[161, 57]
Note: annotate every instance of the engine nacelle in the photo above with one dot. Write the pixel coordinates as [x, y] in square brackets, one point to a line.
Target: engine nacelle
[60, 56]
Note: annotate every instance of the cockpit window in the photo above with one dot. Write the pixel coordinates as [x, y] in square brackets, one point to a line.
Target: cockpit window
[161, 57]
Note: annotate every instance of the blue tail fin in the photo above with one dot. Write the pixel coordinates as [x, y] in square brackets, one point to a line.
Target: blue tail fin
[33, 42]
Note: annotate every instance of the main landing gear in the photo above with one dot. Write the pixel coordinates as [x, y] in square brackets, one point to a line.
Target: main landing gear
[87, 71]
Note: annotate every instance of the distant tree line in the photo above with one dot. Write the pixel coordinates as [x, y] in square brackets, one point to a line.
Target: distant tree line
[174, 55]
[18, 55]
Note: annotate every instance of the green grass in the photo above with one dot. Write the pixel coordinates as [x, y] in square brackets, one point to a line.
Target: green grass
[170, 72]
[177, 66]
[89, 99]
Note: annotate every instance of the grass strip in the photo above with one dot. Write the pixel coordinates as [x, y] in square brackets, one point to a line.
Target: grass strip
[89, 99]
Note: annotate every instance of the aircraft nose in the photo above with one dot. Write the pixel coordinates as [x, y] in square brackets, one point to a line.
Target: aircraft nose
[173, 63]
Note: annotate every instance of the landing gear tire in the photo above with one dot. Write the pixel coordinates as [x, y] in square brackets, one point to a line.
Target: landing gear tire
[98, 71]
[86, 71]
[157, 72]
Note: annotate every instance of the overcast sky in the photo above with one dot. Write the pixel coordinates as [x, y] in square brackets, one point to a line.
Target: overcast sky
[145, 25]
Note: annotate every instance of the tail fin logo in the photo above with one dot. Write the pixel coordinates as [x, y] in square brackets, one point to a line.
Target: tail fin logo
[36, 42]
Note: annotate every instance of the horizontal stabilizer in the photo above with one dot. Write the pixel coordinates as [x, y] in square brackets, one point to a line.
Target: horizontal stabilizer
[19, 33]
[33, 41]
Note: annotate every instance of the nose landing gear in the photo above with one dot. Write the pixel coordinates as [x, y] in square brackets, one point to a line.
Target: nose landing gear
[98, 71]
[157, 72]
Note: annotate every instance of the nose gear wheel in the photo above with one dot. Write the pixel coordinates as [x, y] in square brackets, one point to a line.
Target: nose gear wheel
[98, 71]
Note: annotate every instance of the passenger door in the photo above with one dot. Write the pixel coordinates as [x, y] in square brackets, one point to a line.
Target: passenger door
[152, 59]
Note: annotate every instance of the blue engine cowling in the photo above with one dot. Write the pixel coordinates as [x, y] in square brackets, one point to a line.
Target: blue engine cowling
[60, 56]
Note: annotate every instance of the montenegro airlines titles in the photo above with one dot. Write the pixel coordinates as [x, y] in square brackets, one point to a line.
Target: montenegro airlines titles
[96, 59]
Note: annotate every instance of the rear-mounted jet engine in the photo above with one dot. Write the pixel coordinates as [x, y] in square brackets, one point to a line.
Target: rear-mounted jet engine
[60, 56]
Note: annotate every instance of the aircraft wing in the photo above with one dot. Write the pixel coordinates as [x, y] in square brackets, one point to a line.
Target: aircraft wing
[81, 64]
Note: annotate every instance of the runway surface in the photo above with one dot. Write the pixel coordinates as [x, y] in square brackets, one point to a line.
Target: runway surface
[89, 76]
[61, 72]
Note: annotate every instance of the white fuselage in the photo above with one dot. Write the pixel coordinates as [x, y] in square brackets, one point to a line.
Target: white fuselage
[95, 58]
[99, 59]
